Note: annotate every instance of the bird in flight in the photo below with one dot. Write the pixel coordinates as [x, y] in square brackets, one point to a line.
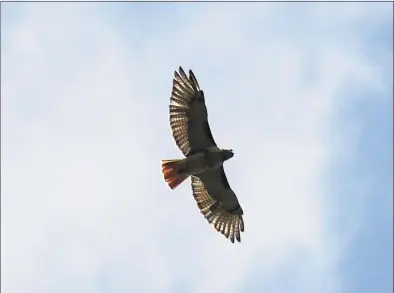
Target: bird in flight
[203, 160]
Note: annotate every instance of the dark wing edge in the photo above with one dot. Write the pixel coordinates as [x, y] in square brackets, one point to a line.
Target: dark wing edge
[229, 223]
[207, 129]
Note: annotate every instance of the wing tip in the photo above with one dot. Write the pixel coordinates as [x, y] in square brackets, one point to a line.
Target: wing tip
[191, 79]
[180, 70]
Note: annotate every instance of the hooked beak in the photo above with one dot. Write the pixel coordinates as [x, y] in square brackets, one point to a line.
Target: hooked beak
[228, 154]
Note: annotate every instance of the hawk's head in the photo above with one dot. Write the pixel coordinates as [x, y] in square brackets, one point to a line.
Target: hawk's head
[227, 154]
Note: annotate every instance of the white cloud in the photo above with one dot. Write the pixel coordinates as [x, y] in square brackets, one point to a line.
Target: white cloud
[85, 125]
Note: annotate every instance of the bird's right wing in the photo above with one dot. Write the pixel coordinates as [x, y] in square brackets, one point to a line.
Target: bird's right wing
[218, 203]
[188, 115]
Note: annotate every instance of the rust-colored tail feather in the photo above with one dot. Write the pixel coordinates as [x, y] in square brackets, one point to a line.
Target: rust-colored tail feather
[171, 173]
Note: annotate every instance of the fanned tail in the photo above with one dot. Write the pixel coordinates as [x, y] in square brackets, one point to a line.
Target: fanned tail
[172, 173]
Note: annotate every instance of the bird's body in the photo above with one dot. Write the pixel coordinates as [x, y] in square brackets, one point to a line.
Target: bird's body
[204, 160]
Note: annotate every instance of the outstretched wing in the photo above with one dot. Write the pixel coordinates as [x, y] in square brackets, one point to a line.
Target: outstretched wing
[218, 203]
[188, 115]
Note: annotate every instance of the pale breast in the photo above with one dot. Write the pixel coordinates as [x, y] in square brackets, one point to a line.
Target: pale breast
[203, 161]
[213, 158]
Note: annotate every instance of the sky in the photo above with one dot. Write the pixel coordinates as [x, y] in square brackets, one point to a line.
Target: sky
[302, 92]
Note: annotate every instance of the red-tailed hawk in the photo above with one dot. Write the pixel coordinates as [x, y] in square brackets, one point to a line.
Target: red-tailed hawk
[204, 160]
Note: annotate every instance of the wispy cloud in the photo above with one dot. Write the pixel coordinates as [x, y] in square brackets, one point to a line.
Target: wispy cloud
[85, 91]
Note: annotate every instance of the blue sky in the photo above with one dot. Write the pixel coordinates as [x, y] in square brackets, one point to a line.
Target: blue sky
[303, 92]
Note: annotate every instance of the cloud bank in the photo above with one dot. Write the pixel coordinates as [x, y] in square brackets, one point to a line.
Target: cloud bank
[85, 92]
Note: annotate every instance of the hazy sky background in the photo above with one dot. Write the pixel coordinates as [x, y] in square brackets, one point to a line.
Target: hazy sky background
[303, 93]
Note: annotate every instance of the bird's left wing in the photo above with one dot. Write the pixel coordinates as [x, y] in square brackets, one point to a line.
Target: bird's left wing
[188, 115]
[218, 203]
